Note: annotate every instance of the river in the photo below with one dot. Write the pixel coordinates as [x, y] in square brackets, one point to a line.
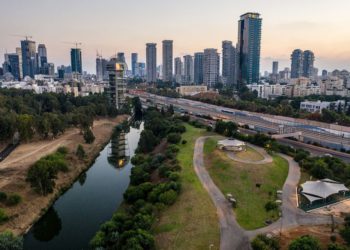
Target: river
[76, 216]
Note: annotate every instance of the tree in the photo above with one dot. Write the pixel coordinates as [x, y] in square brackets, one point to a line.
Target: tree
[88, 136]
[335, 246]
[25, 126]
[174, 138]
[147, 141]
[168, 197]
[262, 242]
[305, 242]
[80, 152]
[10, 242]
[136, 102]
[41, 176]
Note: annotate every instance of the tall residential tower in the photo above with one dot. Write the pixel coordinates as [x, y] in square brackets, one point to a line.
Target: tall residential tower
[167, 60]
[151, 62]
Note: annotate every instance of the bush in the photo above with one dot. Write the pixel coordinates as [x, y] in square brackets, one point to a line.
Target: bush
[184, 142]
[168, 197]
[3, 196]
[10, 242]
[174, 138]
[62, 150]
[13, 199]
[80, 152]
[88, 136]
[3, 216]
[270, 205]
[335, 246]
[262, 242]
[305, 242]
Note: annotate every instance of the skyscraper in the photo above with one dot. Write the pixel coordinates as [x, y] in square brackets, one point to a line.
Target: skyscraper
[188, 69]
[11, 65]
[211, 67]
[167, 60]
[101, 68]
[228, 62]
[76, 62]
[297, 58]
[275, 68]
[42, 60]
[28, 58]
[178, 70]
[248, 48]
[133, 63]
[151, 62]
[117, 82]
[121, 57]
[19, 53]
[308, 63]
[198, 67]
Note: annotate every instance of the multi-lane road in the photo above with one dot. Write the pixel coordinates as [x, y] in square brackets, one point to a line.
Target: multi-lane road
[260, 122]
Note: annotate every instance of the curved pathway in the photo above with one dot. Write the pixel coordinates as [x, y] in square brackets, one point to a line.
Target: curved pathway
[267, 157]
[232, 236]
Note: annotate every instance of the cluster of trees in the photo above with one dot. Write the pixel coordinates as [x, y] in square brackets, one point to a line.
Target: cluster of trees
[43, 173]
[47, 114]
[10, 199]
[168, 92]
[9, 241]
[131, 228]
[305, 242]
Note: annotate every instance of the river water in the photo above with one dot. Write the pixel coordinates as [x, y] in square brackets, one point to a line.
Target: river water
[76, 216]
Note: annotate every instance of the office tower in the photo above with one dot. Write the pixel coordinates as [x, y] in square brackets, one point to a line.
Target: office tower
[101, 68]
[167, 60]
[308, 63]
[228, 62]
[275, 68]
[76, 62]
[11, 65]
[42, 60]
[324, 73]
[198, 67]
[61, 72]
[1, 71]
[188, 70]
[151, 62]
[51, 69]
[121, 57]
[140, 70]
[28, 58]
[117, 82]
[297, 63]
[178, 70]
[248, 48]
[19, 53]
[211, 67]
[133, 63]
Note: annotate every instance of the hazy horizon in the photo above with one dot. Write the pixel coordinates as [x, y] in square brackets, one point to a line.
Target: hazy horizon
[111, 26]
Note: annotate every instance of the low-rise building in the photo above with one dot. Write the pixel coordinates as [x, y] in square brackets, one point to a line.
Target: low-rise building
[318, 106]
[187, 90]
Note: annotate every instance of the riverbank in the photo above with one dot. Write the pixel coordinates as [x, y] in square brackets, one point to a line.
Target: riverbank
[13, 172]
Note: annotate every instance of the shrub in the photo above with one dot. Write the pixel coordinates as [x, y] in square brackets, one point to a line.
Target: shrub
[335, 246]
[262, 242]
[3, 196]
[184, 142]
[270, 205]
[13, 199]
[88, 136]
[305, 242]
[174, 138]
[168, 197]
[9, 241]
[62, 150]
[3, 216]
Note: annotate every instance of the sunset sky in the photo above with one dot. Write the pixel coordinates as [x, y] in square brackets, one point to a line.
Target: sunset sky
[112, 26]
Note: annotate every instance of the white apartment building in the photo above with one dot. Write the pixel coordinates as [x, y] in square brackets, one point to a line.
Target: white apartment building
[318, 106]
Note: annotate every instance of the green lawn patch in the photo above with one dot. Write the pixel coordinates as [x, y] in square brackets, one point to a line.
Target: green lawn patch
[191, 223]
[241, 181]
[250, 154]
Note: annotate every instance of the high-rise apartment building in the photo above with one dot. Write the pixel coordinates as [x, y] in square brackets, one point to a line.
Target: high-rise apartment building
[308, 63]
[76, 61]
[188, 70]
[211, 67]
[28, 58]
[167, 60]
[140, 70]
[134, 63]
[11, 65]
[198, 68]
[121, 57]
[275, 68]
[178, 70]
[151, 62]
[19, 53]
[101, 68]
[117, 82]
[228, 63]
[297, 58]
[248, 48]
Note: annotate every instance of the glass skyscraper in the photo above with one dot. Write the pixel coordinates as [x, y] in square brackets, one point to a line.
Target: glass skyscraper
[76, 63]
[28, 58]
[133, 63]
[248, 48]
[198, 67]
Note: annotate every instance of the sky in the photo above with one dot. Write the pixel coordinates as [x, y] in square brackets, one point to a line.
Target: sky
[111, 26]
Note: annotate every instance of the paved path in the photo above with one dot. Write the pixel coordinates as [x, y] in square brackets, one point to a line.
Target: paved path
[267, 157]
[232, 236]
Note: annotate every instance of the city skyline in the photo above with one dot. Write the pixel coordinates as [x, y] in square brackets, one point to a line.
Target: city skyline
[295, 28]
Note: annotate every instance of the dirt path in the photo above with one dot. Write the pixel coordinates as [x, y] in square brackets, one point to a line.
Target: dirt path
[14, 168]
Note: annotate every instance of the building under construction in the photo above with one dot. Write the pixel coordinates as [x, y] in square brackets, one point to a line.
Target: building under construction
[117, 82]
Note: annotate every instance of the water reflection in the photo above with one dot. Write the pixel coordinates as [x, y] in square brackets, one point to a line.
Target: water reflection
[82, 178]
[119, 155]
[48, 226]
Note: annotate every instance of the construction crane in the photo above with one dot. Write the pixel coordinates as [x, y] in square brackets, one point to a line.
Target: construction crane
[74, 43]
[24, 36]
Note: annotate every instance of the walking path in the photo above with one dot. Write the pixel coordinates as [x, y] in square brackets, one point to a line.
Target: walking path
[267, 157]
[232, 236]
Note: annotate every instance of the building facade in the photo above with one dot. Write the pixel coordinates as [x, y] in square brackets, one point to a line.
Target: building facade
[188, 70]
[167, 60]
[134, 58]
[151, 62]
[211, 67]
[308, 64]
[198, 68]
[42, 60]
[178, 70]
[117, 82]
[248, 48]
[228, 63]
[297, 58]
[76, 61]
[28, 58]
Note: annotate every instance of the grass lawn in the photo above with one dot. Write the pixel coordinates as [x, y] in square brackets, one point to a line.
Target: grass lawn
[241, 179]
[191, 223]
[250, 154]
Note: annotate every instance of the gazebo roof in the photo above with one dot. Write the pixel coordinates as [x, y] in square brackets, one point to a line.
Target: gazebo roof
[316, 190]
[231, 143]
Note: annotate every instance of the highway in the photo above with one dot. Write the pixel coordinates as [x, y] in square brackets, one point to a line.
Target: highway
[259, 122]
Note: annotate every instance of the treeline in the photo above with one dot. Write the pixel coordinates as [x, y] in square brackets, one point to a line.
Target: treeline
[319, 167]
[154, 185]
[47, 114]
